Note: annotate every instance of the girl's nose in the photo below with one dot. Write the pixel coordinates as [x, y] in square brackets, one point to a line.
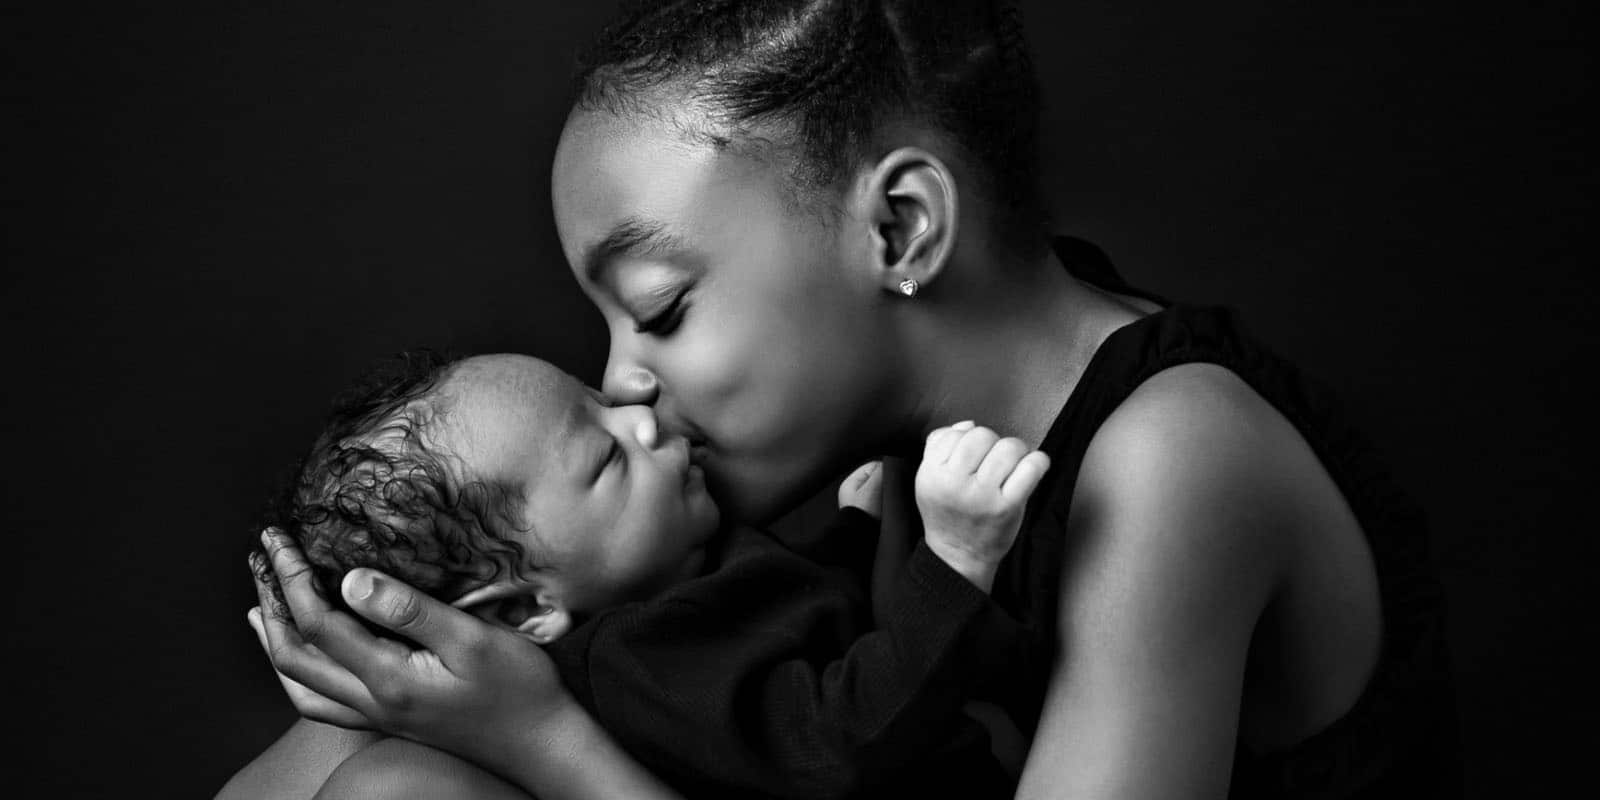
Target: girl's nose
[629, 384]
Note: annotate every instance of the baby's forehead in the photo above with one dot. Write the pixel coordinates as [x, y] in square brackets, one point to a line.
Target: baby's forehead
[491, 397]
[513, 373]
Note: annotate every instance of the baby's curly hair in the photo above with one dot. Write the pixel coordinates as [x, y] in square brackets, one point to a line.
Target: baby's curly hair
[377, 490]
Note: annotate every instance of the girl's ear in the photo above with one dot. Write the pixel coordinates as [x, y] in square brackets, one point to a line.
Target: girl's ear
[524, 607]
[909, 199]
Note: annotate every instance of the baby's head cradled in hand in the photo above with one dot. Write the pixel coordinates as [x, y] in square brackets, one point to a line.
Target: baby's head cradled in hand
[502, 484]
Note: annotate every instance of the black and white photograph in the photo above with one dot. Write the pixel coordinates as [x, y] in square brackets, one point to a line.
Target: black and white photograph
[797, 399]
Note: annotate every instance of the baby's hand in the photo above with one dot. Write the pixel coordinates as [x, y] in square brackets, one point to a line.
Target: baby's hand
[971, 489]
[864, 489]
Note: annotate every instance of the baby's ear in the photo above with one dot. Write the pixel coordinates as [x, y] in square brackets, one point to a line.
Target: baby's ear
[522, 607]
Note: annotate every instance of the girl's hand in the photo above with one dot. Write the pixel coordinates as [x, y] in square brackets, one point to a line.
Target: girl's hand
[474, 690]
[863, 489]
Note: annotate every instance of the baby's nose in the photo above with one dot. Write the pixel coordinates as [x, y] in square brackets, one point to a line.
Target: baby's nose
[646, 431]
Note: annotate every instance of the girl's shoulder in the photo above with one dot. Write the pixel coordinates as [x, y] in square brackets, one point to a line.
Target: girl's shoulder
[1196, 468]
[1185, 449]
[1197, 426]
[1189, 432]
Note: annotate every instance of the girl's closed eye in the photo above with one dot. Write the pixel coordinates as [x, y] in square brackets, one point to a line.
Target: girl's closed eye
[665, 318]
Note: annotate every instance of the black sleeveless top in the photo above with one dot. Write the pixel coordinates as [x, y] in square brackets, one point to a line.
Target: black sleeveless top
[1400, 738]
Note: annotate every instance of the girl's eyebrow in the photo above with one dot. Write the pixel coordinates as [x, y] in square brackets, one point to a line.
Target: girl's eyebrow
[633, 236]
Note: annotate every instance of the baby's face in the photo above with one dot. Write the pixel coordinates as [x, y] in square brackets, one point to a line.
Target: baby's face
[614, 510]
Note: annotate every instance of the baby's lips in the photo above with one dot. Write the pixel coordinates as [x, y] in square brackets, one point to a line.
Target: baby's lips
[673, 425]
[698, 451]
[692, 475]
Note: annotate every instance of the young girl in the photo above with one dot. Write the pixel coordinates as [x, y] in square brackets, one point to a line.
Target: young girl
[812, 231]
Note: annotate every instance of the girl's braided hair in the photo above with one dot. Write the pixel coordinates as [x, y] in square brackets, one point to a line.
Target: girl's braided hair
[831, 73]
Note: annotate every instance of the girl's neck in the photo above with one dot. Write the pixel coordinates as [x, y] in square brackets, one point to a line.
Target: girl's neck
[1008, 353]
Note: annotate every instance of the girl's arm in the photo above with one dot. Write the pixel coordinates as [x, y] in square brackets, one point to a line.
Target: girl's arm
[1170, 560]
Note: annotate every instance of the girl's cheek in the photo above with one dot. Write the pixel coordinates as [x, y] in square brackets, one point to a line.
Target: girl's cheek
[715, 355]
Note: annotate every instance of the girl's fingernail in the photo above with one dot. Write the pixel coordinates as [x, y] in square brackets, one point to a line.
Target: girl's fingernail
[359, 584]
[964, 425]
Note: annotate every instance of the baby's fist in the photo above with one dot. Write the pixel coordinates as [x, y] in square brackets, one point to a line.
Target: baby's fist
[972, 488]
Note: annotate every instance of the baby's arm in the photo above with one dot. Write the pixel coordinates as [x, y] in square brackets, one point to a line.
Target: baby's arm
[972, 489]
[783, 688]
[767, 678]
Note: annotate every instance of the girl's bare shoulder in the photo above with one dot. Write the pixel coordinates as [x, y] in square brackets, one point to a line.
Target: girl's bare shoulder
[1195, 466]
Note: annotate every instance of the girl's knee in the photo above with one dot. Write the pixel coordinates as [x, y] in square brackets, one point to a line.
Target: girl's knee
[397, 769]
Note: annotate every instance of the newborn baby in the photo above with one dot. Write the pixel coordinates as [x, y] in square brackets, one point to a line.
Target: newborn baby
[507, 487]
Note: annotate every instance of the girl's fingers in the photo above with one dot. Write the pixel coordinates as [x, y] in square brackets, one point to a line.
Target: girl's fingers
[317, 623]
[450, 633]
[310, 704]
[293, 658]
[281, 632]
[1025, 478]
[268, 592]
[296, 580]
[1000, 461]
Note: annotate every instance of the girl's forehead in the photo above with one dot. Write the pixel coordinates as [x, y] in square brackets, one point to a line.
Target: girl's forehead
[628, 144]
[660, 208]
[610, 166]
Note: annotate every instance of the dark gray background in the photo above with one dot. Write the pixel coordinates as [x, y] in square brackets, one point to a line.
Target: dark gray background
[220, 213]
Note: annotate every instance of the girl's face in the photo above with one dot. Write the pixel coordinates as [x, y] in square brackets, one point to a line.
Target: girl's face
[731, 307]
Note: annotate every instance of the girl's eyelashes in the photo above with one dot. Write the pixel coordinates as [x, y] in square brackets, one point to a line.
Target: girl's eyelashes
[666, 320]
